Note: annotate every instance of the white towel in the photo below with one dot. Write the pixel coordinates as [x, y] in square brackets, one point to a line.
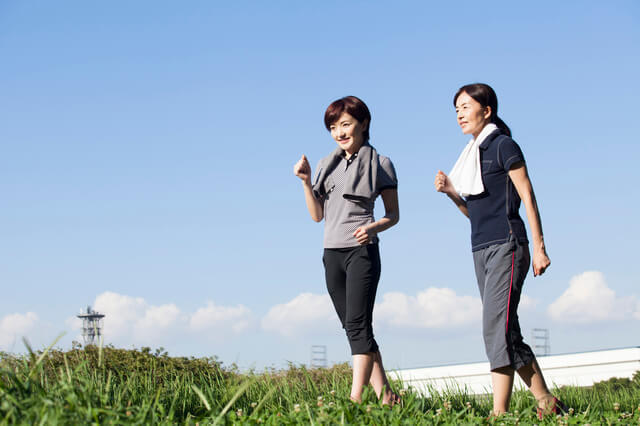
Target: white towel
[466, 175]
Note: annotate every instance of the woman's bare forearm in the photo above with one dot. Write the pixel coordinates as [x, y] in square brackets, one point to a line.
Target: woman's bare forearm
[459, 202]
[522, 183]
[391, 211]
[313, 205]
[365, 234]
[385, 222]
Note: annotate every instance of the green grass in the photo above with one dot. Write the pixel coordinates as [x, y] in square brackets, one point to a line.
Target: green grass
[117, 386]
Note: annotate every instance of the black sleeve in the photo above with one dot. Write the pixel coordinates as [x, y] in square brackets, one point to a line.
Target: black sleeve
[509, 153]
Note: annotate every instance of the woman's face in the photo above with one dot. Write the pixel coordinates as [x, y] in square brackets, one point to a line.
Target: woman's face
[348, 133]
[472, 117]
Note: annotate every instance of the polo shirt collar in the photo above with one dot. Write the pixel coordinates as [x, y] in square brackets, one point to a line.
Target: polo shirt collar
[348, 161]
[344, 155]
[353, 158]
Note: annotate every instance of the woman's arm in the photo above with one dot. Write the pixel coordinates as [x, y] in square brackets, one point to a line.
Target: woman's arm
[302, 169]
[520, 178]
[365, 234]
[443, 184]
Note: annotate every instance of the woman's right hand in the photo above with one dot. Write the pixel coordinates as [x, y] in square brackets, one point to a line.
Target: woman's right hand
[443, 184]
[302, 169]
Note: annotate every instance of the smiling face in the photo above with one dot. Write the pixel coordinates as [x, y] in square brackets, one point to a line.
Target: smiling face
[472, 116]
[348, 133]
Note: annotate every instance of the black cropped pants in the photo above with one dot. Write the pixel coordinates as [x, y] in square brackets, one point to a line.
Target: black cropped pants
[352, 276]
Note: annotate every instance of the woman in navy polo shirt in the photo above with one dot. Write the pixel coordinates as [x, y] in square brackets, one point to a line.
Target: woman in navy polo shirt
[343, 192]
[487, 184]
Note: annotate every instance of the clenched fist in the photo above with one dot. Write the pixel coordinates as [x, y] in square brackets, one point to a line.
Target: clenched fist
[302, 169]
[443, 184]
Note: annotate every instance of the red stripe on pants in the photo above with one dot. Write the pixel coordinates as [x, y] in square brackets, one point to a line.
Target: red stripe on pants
[513, 256]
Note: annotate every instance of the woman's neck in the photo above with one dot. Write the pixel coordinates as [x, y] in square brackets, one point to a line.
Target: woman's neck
[352, 151]
[475, 135]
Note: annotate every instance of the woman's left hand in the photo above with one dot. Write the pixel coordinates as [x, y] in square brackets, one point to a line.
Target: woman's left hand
[540, 261]
[364, 235]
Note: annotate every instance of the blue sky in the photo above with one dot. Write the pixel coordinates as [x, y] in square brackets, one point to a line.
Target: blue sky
[147, 152]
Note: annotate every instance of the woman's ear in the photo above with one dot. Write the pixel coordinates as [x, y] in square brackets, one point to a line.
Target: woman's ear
[365, 124]
[487, 112]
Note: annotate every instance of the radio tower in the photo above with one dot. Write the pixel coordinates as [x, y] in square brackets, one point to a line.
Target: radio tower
[318, 356]
[91, 325]
[540, 340]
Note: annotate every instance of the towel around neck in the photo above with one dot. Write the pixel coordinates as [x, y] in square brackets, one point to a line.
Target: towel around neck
[362, 174]
[466, 175]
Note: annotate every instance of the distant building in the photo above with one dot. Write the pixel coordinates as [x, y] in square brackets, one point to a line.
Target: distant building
[577, 369]
[92, 323]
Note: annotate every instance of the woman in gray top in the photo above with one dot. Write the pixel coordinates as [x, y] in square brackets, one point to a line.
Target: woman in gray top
[343, 193]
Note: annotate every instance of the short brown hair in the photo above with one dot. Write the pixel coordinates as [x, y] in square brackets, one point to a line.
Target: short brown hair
[352, 106]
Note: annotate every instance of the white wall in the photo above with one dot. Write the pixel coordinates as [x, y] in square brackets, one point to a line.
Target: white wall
[579, 369]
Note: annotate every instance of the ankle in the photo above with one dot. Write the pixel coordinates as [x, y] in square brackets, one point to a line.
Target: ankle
[545, 400]
[386, 397]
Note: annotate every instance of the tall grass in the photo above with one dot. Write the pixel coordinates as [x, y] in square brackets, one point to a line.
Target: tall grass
[117, 386]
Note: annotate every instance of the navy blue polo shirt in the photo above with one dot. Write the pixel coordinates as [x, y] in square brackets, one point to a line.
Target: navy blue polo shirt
[494, 213]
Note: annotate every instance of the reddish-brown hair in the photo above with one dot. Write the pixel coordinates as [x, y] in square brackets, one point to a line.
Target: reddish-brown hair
[352, 106]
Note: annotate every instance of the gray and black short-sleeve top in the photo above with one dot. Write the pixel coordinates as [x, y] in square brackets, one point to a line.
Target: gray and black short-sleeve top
[343, 216]
[494, 213]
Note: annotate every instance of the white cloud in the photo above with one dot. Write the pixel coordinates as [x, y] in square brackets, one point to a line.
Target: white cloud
[527, 303]
[589, 299]
[158, 318]
[220, 318]
[306, 313]
[433, 308]
[124, 315]
[74, 323]
[14, 326]
[132, 320]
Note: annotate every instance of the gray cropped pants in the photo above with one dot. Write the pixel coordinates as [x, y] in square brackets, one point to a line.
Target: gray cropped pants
[501, 270]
